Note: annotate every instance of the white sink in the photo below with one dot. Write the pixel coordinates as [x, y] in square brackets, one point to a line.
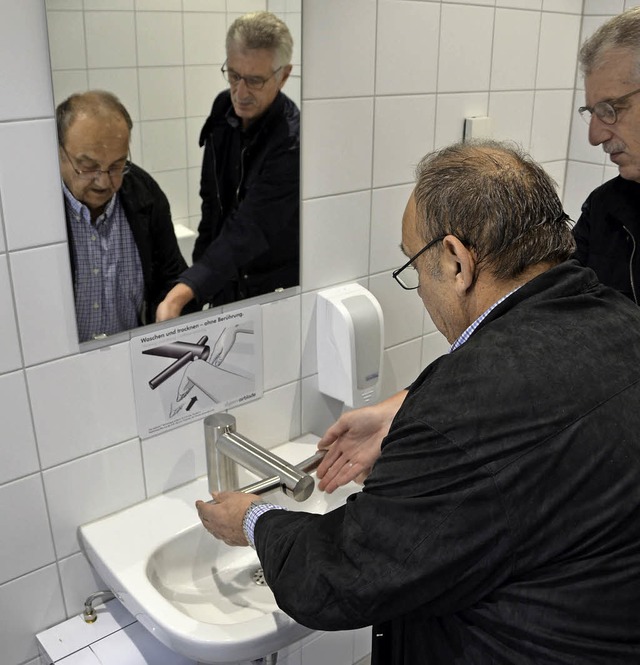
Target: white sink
[194, 593]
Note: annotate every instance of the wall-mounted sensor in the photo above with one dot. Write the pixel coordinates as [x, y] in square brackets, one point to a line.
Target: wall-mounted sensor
[478, 127]
[350, 331]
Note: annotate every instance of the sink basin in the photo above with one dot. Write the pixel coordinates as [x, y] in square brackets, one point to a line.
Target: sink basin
[201, 598]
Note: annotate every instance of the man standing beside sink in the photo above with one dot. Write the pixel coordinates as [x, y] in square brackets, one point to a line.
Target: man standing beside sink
[501, 521]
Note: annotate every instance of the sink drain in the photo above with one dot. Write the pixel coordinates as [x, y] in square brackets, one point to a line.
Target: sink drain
[258, 577]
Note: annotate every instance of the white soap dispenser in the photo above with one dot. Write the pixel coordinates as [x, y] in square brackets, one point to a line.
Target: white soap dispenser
[350, 341]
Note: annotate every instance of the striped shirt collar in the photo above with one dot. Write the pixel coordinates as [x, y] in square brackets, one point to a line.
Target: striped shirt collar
[472, 328]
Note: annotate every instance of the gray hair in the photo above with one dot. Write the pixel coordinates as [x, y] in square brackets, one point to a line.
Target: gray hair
[496, 200]
[262, 30]
[92, 102]
[620, 32]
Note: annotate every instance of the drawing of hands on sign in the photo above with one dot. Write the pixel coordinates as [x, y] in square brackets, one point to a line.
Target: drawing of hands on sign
[225, 343]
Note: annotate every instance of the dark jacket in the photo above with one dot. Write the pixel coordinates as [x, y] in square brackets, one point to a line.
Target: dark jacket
[608, 235]
[501, 523]
[248, 240]
[149, 216]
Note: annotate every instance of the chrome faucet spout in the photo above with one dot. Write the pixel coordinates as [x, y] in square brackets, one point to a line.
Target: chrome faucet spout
[224, 446]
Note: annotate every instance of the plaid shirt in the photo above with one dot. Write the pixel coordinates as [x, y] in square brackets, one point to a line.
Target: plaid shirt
[108, 283]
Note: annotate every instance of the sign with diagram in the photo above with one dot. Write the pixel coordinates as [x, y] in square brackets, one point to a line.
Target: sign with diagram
[183, 373]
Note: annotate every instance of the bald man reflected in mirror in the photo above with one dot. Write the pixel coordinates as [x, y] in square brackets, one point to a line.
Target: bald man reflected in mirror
[123, 249]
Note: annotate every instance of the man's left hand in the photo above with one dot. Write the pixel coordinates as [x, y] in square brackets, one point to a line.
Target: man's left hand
[223, 519]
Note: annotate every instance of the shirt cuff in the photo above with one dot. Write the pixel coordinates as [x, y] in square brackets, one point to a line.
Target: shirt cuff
[254, 512]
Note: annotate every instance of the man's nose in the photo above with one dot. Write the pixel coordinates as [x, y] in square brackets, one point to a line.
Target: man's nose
[599, 132]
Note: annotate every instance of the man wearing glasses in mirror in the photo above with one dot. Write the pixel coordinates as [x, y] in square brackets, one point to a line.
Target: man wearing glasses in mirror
[248, 236]
[608, 231]
[124, 252]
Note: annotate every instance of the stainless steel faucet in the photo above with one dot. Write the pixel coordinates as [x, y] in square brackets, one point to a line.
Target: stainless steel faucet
[226, 449]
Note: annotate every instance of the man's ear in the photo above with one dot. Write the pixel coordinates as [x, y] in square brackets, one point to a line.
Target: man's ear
[285, 75]
[459, 263]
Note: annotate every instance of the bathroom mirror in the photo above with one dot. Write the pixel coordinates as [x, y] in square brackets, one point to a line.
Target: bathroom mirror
[162, 58]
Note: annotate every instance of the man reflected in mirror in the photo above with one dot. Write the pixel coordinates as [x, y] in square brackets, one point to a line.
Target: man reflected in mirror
[248, 236]
[123, 249]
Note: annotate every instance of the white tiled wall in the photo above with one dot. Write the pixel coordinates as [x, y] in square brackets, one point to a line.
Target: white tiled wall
[140, 49]
[373, 104]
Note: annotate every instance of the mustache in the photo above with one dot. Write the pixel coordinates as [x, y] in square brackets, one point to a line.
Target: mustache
[611, 147]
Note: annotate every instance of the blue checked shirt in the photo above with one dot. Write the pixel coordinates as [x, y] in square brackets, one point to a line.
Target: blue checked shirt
[255, 511]
[108, 280]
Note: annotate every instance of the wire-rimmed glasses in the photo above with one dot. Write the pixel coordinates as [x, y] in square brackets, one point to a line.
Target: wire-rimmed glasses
[606, 111]
[409, 279]
[114, 172]
[252, 82]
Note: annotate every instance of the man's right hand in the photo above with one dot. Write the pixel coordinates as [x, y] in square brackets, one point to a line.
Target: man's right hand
[353, 443]
[174, 302]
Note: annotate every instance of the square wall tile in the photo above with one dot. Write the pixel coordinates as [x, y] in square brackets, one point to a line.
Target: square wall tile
[557, 170]
[511, 115]
[159, 38]
[281, 342]
[204, 38]
[44, 293]
[174, 458]
[335, 239]
[550, 140]
[387, 209]
[361, 644]
[558, 50]
[10, 355]
[579, 147]
[96, 389]
[403, 310]
[175, 185]
[163, 144]
[515, 49]
[18, 454]
[111, 38]
[346, 69]
[122, 82]
[92, 487]
[42, 221]
[335, 648]
[520, 4]
[66, 40]
[419, 25]
[402, 364]
[155, 103]
[580, 181]
[434, 345]
[273, 419]
[404, 131]
[26, 538]
[610, 7]
[568, 6]
[79, 581]
[28, 605]
[342, 164]
[25, 72]
[465, 48]
[452, 109]
[319, 411]
[202, 83]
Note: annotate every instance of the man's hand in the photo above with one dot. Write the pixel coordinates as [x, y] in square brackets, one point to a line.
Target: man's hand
[174, 301]
[353, 443]
[223, 519]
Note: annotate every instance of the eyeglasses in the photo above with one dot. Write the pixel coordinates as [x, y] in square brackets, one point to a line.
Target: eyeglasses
[252, 82]
[607, 111]
[114, 172]
[410, 279]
